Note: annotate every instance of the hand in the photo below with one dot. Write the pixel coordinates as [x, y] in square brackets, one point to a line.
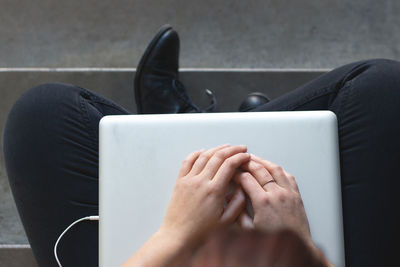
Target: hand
[275, 198]
[197, 203]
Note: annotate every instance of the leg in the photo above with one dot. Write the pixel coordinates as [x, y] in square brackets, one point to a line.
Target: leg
[365, 97]
[51, 154]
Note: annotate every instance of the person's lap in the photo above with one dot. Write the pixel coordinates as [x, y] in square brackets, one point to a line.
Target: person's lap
[365, 97]
[51, 152]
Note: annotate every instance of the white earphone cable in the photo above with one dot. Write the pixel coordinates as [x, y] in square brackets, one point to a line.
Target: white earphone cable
[88, 218]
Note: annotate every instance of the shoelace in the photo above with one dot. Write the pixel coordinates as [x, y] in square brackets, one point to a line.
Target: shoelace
[190, 106]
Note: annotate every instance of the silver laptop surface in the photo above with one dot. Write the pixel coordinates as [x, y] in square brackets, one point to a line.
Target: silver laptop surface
[140, 156]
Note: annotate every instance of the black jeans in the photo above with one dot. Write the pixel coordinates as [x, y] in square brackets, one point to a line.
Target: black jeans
[51, 153]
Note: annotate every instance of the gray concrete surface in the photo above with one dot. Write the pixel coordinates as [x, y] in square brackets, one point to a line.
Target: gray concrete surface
[230, 88]
[16, 256]
[214, 33]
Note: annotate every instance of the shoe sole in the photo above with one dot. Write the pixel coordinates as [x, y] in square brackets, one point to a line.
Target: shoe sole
[143, 60]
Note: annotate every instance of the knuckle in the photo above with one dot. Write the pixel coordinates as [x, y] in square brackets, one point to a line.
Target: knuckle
[265, 199]
[296, 187]
[242, 158]
[235, 160]
[246, 175]
[182, 183]
[230, 162]
[258, 167]
[196, 182]
[282, 196]
[213, 162]
[204, 156]
[297, 196]
[219, 155]
[297, 199]
[213, 189]
[277, 169]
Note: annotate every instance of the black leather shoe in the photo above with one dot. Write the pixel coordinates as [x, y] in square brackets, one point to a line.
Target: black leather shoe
[157, 88]
[252, 101]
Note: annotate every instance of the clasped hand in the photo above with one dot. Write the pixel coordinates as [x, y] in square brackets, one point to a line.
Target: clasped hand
[197, 205]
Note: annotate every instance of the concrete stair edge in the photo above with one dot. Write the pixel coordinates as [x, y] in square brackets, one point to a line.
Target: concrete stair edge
[16, 255]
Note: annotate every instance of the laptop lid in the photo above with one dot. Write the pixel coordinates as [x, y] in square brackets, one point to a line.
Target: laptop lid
[140, 156]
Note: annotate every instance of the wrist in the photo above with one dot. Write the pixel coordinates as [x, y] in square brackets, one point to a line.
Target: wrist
[160, 249]
[176, 239]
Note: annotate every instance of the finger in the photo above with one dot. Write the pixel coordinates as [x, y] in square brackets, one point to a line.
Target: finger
[187, 164]
[275, 170]
[245, 221]
[219, 158]
[250, 186]
[199, 164]
[230, 190]
[228, 197]
[228, 169]
[262, 175]
[292, 181]
[234, 208]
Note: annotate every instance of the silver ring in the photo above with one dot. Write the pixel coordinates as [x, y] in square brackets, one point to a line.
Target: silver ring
[270, 181]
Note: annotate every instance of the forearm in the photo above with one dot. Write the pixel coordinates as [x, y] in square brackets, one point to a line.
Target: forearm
[159, 250]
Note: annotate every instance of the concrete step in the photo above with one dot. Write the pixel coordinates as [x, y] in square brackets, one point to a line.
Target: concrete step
[217, 33]
[16, 256]
[229, 85]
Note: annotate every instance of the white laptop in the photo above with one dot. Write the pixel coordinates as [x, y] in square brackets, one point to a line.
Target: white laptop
[140, 156]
